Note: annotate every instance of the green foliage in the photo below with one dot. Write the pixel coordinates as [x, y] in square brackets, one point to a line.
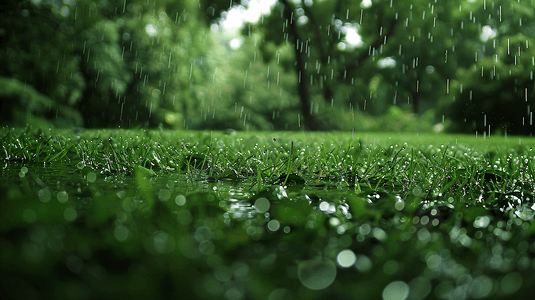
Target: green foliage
[144, 63]
[117, 63]
[168, 63]
[41, 82]
[496, 94]
[246, 92]
[27, 106]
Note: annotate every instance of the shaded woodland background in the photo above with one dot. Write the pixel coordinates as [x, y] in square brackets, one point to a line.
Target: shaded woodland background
[423, 65]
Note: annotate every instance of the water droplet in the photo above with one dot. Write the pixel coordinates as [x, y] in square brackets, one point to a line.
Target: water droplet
[70, 214]
[419, 288]
[364, 263]
[91, 177]
[511, 283]
[63, 196]
[121, 233]
[223, 273]
[346, 258]
[44, 195]
[180, 200]
[481, 287]
[29, 216]
[164, 195]
[396, 290]
[316, 274]
[262, 205]
[273, 225]
[481, 222]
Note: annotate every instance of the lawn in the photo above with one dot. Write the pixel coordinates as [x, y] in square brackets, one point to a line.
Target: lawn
[101, 214]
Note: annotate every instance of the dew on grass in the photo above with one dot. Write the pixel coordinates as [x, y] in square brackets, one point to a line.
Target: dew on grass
[481, 221]
[525, 212]
[327, 207]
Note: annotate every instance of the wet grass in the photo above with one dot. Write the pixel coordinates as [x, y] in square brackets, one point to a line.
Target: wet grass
[278, 215]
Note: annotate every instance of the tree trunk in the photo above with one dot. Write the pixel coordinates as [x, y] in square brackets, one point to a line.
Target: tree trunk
[310, 121]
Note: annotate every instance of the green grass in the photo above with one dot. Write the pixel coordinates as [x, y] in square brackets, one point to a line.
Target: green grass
[265, 215]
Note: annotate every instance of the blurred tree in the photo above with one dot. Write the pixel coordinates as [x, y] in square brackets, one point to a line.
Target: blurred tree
[401, 56]
[139, 63]
[120, 63]
[143, 61]
[40, 77]
[246, 92]
[496, 92]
